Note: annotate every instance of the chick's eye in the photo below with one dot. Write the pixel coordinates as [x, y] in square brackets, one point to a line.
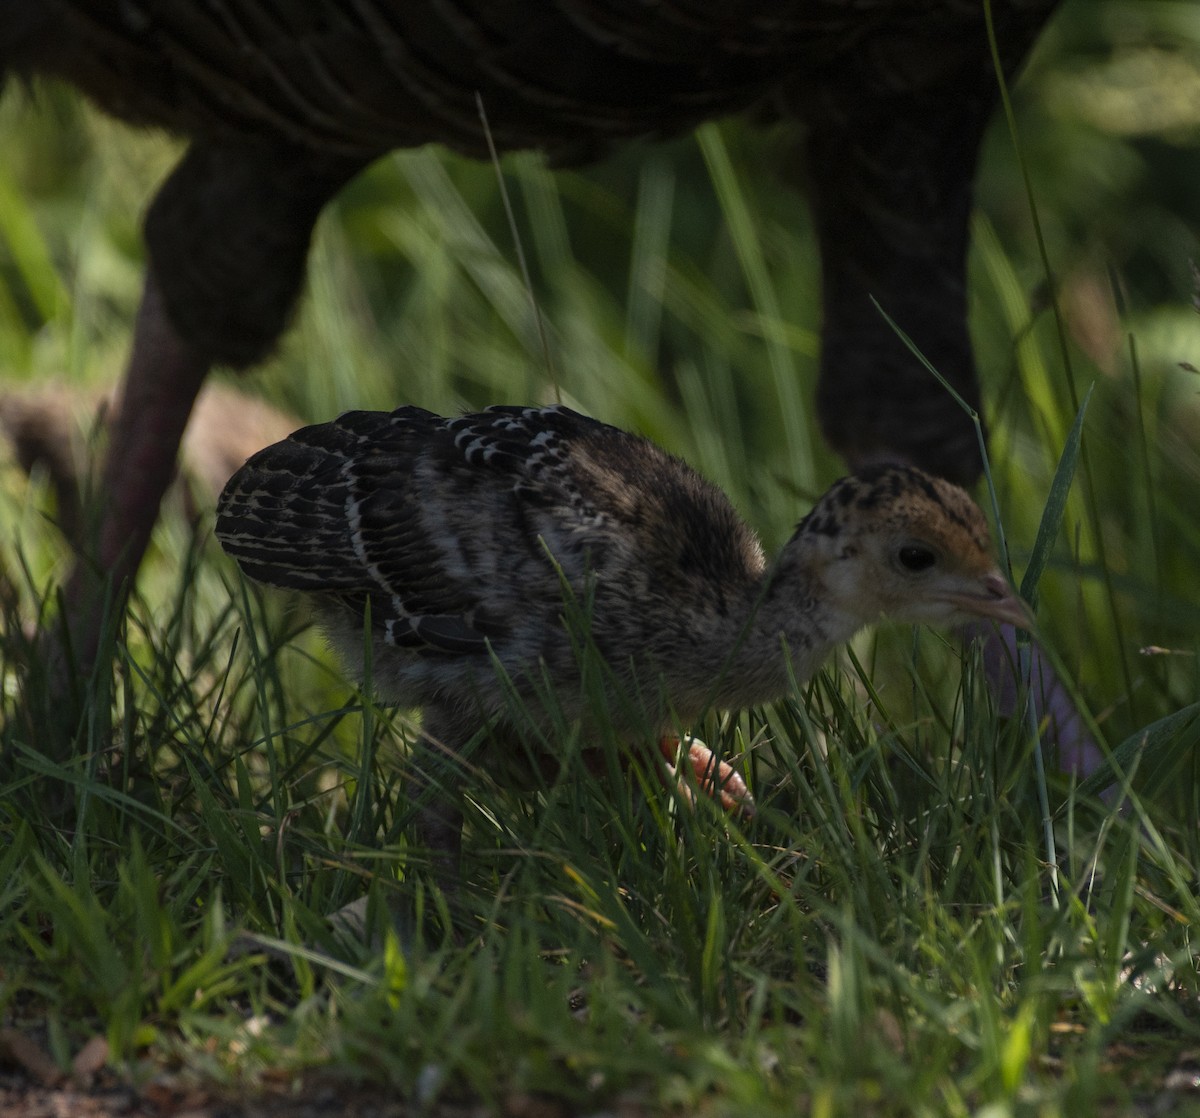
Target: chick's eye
[913, 557]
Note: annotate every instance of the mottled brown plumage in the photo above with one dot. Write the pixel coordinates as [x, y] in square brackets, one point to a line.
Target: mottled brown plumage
[467, 536]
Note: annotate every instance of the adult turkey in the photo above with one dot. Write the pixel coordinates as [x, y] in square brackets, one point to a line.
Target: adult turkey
[284, 101]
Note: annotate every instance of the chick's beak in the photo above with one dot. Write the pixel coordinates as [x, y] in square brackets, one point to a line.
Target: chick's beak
[997, 601]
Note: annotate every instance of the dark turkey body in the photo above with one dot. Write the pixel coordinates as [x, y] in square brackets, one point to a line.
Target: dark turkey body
[286, 100]
[355, 79]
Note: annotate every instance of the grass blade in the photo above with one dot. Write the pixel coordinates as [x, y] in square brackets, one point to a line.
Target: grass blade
[1157, 749]
[1056, 503]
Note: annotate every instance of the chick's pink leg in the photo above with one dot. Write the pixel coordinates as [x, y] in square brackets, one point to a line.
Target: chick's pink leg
[714, 777]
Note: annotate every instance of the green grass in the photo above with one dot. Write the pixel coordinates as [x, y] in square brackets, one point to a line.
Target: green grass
[886, 936]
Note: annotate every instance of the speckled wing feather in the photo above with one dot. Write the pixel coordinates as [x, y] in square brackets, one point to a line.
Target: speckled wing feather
[334, 510]
[447, 526]
[283, 515]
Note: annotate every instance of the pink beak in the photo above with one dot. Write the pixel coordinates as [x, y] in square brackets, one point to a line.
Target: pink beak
[998, 602]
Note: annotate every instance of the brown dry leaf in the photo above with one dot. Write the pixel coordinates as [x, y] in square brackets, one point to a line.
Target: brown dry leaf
[17, 1048]
[528, 1104]
[52, 426]
[89, 1060]
[891, 1031]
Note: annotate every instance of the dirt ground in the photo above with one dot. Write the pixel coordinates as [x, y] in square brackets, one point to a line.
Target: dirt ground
[19, 1098]
[25, 1100]
[32, 1085]
[1161, 1076]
